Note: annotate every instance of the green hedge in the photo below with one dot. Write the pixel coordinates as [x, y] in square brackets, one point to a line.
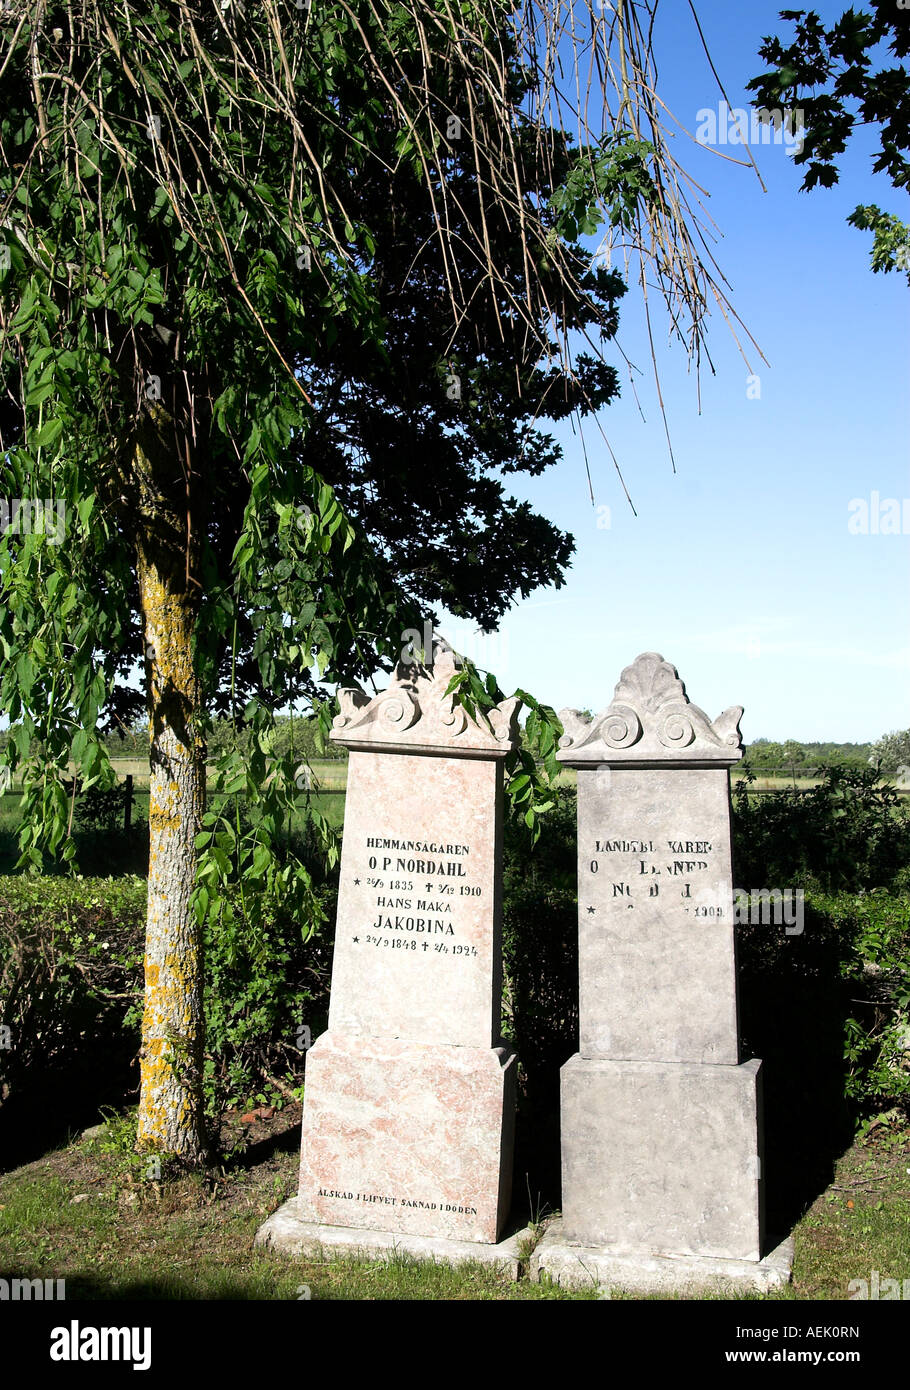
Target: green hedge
[831, 1003]
[70, 973]
[847, 834]
[841, 990]
[71, 954]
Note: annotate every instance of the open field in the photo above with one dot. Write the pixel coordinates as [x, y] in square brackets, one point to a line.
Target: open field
[330, 803]
[329, 774]
[760, 786]
[330, 780]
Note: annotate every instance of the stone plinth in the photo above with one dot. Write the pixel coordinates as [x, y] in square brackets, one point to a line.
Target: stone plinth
[409, 1099]
[662, 1157]
[411, 1134]
[575, 1266]
[288, 1232]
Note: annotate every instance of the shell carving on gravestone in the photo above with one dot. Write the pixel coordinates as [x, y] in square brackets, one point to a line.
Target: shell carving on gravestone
[415, 711]
[650, 716]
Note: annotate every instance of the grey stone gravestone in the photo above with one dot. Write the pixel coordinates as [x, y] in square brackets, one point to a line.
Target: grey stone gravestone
[409, 1097]
[661, 1120]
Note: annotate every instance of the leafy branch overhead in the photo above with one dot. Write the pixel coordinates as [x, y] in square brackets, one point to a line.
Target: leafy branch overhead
[252, 241]
[831, 75]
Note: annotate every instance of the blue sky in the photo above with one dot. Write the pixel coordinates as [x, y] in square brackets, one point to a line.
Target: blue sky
[740, 569]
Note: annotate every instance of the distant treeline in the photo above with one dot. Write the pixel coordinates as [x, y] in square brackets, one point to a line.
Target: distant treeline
[764, 753]
[891, 751]
[297, 735]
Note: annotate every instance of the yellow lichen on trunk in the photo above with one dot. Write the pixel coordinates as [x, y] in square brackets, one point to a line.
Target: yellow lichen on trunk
[171, 1059]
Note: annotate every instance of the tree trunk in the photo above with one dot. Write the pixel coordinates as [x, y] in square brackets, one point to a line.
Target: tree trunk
[171, 1118]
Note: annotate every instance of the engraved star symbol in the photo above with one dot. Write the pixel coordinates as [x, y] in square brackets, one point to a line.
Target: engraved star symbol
[592, 909]
[356, 938]
[356, 880]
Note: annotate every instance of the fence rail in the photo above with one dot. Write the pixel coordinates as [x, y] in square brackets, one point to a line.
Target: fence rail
[136, 791]
[331, 779]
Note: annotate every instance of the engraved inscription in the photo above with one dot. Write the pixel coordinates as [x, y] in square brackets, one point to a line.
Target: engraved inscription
[674, 870]
[409, 1202]
[421, 906]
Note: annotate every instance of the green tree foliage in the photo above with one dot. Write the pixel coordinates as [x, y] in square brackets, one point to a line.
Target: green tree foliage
[892, 752]
[765, 756]
[285, 295]
[831, 74]
[275, 324]
[247, 255]
[850, 832]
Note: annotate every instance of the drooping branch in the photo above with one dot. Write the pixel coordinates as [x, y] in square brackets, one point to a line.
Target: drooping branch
[207, 89]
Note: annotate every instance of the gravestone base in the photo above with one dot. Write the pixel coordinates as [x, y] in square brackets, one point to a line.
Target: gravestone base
[410, 1138]
[662, 1158]
[287, 1231]
[576, 1266]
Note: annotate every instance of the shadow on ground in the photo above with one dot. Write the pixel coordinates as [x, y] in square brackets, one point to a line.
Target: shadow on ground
[793, 1006]
[55, 1109]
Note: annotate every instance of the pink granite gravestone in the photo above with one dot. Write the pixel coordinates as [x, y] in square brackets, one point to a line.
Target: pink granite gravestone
[409, 1098]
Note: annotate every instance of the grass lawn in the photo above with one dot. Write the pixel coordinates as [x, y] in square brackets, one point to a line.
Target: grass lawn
[90, 1214]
